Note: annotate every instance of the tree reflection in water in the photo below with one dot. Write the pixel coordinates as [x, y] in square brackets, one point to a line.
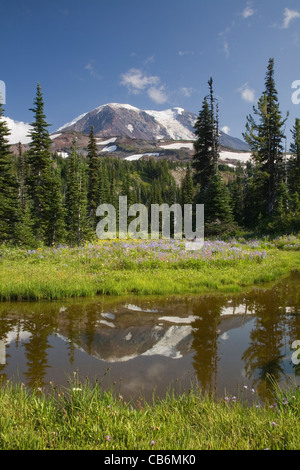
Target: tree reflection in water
[168, 335]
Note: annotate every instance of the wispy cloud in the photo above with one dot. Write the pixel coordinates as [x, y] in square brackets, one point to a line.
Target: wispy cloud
[186, 91]
[288, 17]
[183, 53]
[248, 11]
[247, 93]
[90, 67]
[138, 81]
[224, 37]
[226, 48]
[149, 60]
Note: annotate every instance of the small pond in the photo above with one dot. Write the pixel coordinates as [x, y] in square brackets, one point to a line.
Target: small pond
[141, 344]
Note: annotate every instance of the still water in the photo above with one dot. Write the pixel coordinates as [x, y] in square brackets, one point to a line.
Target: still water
[142, 344]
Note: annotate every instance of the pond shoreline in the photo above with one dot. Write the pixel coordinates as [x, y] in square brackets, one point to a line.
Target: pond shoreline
[135, 268]
[84, 417]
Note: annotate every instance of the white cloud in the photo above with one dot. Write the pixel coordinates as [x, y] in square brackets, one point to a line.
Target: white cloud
[226, 129]
[137, 81]
[288, 16]
[186, 91]
[247, 93]
[248, 11]
[157, 95]
[19, 131]
[226, 48]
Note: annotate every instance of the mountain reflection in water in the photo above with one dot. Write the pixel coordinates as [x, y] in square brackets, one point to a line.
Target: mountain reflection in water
[223, 342]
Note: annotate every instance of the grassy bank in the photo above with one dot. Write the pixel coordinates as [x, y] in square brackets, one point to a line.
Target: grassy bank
[84, 417]
[143, 267]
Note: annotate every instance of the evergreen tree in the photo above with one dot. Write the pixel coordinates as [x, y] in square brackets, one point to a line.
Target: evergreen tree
[206, 156]
[237, 192]
[9, 202]
[76, 202]
[22, 177]
[54, 224]
[93, 178]
[294, 167]
[187, 188]
[294, 179]
[265, 140]
[104, 186]
[41, 179]
[24, 228]
[218, 212]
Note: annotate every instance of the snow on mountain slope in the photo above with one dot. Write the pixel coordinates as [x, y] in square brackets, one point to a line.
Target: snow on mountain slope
[167, 123]
[70, 124]
[123, 120]
[168, 119]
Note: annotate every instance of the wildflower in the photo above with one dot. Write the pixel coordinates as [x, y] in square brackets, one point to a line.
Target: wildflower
[274, 424]
[226, 399]
[152, 443]
[108, 438]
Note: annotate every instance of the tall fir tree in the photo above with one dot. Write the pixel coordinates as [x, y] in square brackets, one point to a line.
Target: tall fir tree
[206, 156]
[38, 164]
[265, 139]
[93, 179]
[42, 182]
[9, 191]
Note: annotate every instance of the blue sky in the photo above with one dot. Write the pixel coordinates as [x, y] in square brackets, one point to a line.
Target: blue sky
[151, 54]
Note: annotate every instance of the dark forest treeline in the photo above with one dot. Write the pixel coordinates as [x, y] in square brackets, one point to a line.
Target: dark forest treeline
[45, 199]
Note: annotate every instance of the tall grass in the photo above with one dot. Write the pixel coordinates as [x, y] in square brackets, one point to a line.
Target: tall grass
[135, 267]
[85, 417]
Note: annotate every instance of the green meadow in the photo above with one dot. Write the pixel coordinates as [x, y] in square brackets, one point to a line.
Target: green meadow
[121, 267]
[84, 416]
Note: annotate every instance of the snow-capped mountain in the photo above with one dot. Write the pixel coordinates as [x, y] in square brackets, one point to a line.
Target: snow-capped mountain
[123, 120]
